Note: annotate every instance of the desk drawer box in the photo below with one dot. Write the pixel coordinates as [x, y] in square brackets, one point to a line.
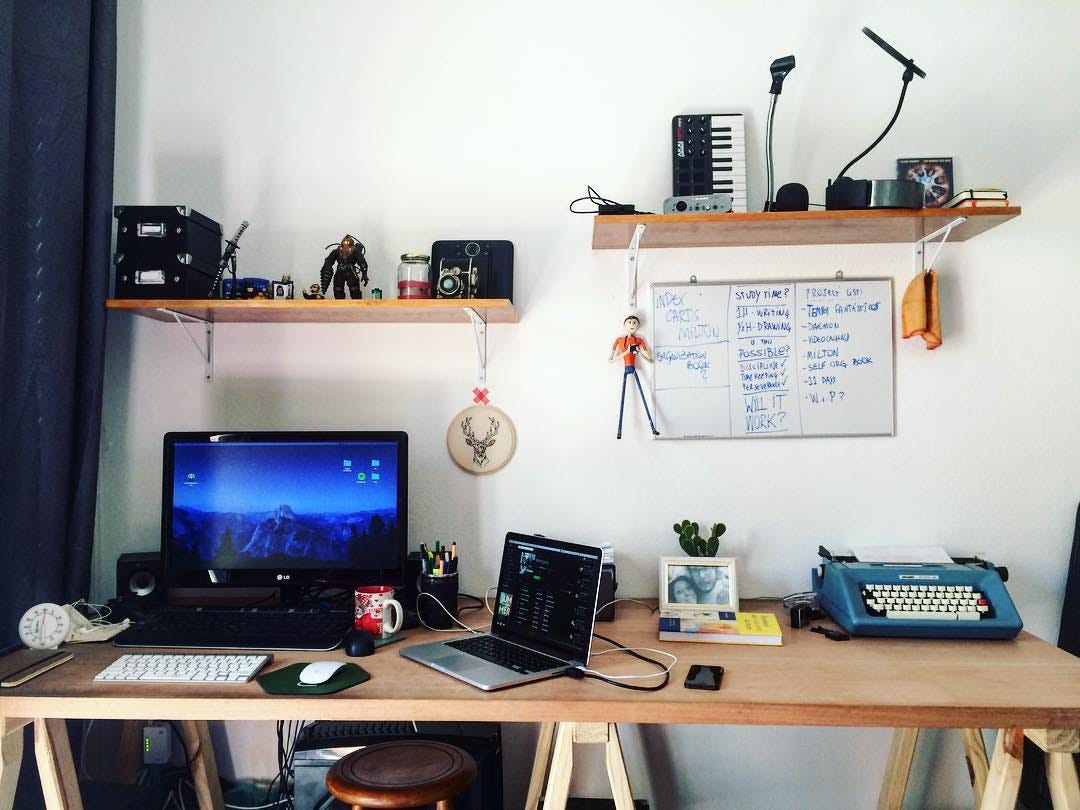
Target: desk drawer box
[166, 229]
[163, 276]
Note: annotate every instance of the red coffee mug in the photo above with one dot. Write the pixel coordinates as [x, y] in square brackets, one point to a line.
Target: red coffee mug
[371, 604]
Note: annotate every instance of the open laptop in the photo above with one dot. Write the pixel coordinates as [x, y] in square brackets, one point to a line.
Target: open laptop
[543, 622]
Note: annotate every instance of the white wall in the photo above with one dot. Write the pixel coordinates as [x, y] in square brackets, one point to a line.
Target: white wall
[408, 122]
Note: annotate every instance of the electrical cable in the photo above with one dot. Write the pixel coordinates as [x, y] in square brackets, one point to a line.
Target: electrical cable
[453, 618]
[903, 91]
[597, 199]
[768, 154]
[614, 680]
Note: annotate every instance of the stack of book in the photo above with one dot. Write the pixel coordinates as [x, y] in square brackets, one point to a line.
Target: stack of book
[979, 197]
[720, 627]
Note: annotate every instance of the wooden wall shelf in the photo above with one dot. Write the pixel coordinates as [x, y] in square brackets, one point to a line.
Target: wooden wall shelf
[332, 310]
[794, 227]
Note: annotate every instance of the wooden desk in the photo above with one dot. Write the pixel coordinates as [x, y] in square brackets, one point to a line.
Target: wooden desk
[1025, 683]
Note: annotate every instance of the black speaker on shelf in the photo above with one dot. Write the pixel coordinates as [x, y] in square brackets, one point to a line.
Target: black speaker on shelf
[139, 580]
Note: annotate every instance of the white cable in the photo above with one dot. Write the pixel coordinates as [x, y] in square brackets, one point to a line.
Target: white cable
[277, 803]
[487, 593]
[623, 599]
[674, 661]
[453, 618]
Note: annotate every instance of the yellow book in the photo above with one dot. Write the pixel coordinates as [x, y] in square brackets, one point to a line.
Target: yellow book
[714, 628]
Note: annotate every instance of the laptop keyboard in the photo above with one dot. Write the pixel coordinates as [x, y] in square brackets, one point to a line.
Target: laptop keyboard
[505, 654]
[239, 629]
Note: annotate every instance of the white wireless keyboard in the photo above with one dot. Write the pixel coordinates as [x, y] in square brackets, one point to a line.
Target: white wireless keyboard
[184, 668]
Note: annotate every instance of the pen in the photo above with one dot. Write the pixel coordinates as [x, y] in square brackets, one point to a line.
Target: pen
[453, 551]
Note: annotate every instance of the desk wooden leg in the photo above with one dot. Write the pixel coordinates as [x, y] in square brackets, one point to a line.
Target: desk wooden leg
[203, 765]
[540, 766]
[1060, 745]
[975, 754]
[901, 753]
[11, 752]
[616, 769]
[562, 766]
[1003, 781]
[56, 768]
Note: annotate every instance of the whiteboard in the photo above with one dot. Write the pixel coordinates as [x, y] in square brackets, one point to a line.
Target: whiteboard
[781, 358]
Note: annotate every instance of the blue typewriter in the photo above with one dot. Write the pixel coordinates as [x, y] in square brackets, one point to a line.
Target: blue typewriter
[962, 599]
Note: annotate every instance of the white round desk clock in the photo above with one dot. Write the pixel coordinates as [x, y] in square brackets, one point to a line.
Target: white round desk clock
[44, 626]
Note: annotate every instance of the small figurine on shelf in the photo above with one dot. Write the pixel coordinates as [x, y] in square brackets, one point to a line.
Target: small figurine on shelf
[314, 293]
[352, 268]
[628, 347]
[282, 289]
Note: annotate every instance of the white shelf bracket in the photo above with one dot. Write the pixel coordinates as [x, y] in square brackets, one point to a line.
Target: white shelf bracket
[480, 332]
[206, 351]
[920, 244]
[632, 266]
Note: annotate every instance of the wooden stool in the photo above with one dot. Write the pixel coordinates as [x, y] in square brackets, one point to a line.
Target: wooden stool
[402, 774]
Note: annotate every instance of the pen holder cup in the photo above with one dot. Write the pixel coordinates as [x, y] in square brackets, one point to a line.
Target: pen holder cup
[441, 600]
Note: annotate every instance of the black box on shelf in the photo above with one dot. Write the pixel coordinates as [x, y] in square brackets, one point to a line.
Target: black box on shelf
[142, 229]
[165, 275]
[165, 251]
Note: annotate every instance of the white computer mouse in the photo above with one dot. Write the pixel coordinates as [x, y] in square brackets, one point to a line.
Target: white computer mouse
[319, 672]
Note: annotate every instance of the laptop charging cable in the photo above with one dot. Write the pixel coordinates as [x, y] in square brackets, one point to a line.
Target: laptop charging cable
[616, 680]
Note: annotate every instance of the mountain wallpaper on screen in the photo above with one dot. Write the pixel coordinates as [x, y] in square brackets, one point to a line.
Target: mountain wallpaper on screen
[282, 538]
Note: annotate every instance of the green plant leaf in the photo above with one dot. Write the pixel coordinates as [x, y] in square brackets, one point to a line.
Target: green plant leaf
[688, 546]
[695, 526]
[712, 545]
[718, 529]
[677, 528]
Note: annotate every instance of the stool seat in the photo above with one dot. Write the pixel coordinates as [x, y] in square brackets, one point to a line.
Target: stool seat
[409, 773]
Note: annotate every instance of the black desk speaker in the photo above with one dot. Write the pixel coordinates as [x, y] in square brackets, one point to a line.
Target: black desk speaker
[139, 579]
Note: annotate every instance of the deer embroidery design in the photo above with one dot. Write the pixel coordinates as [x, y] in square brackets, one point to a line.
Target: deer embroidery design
[479, 446]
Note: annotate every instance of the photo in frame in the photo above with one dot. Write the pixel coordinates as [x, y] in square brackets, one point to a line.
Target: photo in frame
[698, 584]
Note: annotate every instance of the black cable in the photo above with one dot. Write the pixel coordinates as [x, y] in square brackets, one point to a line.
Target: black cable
[639, 656]
[903, 91]
[768, 154]
[479, 603]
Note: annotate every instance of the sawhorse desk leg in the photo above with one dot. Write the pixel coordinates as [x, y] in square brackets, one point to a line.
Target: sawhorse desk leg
[902, 752]
[11, 754]
[564, 736]
[56, 767]
[1003, 783]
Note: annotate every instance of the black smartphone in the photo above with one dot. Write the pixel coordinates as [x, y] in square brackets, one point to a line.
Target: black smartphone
[704, 676]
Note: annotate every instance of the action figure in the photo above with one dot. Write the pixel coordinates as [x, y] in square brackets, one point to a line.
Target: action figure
[351, 268]
[628, 348]
[314, 293]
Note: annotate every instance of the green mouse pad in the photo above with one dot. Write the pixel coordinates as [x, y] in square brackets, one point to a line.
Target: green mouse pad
[286, 681]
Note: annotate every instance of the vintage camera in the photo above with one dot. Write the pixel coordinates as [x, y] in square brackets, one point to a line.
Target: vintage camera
[472, 268]
[457, 278]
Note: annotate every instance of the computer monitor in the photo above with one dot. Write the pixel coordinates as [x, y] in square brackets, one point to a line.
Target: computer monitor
[285, 509]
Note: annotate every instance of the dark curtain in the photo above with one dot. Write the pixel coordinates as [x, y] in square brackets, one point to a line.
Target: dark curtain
[57, 116]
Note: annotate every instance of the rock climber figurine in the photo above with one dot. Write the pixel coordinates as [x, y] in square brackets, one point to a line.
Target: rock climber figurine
[628, 347]
[351, 269]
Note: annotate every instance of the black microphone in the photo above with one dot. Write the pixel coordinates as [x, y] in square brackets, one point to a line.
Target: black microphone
[780, 68]
[230, 246]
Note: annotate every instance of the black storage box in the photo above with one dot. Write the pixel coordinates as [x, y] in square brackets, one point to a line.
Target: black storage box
[176, 229]
[165, 251]
[163, 275]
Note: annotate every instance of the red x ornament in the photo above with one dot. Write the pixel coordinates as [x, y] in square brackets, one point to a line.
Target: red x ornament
[480, 396]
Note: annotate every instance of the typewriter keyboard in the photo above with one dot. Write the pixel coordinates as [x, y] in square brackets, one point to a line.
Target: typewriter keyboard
[938, 602]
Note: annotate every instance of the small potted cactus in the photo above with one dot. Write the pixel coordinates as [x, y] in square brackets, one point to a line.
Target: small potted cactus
[693, 544]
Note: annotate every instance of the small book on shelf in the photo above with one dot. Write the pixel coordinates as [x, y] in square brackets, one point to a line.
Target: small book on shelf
[720, 628]
[978, 197]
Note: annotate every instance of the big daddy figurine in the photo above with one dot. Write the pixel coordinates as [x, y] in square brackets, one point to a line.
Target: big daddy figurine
[629, 347]
[352, 267]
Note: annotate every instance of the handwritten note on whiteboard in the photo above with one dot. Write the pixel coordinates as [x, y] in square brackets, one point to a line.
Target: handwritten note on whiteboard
[806, 358]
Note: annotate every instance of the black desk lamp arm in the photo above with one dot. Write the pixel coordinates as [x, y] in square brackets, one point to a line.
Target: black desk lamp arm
[908, 76]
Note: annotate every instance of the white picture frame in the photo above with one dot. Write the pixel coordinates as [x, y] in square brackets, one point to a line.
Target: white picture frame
[698, 584]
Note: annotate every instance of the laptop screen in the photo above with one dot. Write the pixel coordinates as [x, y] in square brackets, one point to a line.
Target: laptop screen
[547, 595]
